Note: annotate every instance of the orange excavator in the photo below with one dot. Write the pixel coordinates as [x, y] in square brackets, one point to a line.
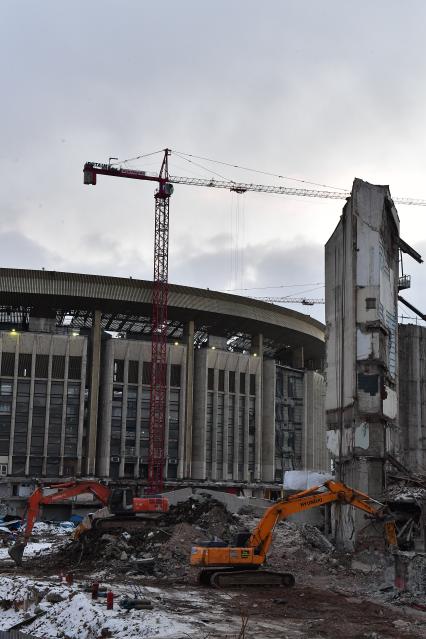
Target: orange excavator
[237, 564]
[119, 502]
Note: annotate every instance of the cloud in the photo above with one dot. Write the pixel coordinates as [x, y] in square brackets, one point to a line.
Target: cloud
[18, 251]
[267, 269]
[286, 90]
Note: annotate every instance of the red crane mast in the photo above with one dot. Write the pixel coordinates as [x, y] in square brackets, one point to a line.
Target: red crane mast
[157, 414]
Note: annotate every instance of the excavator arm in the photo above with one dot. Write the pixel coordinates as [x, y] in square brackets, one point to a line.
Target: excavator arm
[65, 490]
[261, 537]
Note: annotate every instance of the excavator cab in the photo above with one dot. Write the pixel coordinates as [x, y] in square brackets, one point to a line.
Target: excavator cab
[121, 501]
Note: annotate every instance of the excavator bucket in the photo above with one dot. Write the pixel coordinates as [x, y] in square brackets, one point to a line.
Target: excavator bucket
[16, 552]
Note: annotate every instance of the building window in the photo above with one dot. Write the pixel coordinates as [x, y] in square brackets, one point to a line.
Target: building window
[24, 364]
[57, 389]
[42, 366]
[58, 366]
[146, 373]
[133, 371]
[370, 303]
[119, 370]
[132, 393]
[74, 368]
[73, 390]
[8, 364]
[116, 411]
[231, 381]
[252, 384]
[242, 383]
[221, 381]
[117, 393]
[210, 379]
[175, 372]
[5, 388]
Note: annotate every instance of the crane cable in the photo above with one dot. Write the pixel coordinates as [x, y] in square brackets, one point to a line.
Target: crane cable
[186, 156]
[223, 177]
[260, 288]
[245, 168]
[137, 157]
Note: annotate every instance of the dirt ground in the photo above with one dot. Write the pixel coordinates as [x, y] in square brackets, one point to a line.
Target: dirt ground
[335, 596]
[314, 612]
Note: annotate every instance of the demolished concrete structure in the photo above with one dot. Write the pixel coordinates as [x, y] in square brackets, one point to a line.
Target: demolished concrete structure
[412, 396]
[361, 283]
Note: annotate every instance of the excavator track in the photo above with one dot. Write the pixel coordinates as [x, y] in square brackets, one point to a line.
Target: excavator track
[141, 522]
[226, 578]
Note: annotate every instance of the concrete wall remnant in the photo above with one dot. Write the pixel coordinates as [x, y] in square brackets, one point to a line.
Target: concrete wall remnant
[361, 284]
[412, 396]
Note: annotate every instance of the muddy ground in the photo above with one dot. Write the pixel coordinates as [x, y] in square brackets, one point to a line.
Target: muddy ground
[335, 595]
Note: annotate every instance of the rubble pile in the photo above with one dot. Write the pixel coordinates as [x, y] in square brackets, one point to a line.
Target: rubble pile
[403, 484]
[305, 552]
[161, 549]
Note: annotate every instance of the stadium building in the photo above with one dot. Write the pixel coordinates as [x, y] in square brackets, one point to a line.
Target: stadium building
[245, 390]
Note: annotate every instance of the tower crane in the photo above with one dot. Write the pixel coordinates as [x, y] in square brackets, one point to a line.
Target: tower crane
[162, 195]
[159, 310]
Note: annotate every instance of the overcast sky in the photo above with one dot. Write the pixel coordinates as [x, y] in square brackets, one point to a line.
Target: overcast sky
[321, 91]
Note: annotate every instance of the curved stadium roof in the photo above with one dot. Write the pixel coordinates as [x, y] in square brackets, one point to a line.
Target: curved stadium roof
[125, 304]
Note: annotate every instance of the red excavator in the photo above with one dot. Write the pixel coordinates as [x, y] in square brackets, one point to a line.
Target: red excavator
[120, 503]
[237, 564]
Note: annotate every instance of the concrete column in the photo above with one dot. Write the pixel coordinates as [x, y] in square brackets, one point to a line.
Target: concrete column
[246, 474]
[236, 414]
[298, 357]
[94, 392]
[104, 443]
[236, 420]
[189, 395]
[258, 345]
[139, 414]
[46, 422]
[81, 409]
[198, 463]
[30, 412]
[213, 433]
[182, 417]
[124, 413]
[64, 409]
[225, 428]
[258, 427]
[268, 421]
[13, 416]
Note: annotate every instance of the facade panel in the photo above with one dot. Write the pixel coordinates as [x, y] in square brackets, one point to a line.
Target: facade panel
[123, 437]
[41, 409]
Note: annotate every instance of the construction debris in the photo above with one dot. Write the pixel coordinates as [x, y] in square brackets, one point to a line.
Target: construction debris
[161, 551]
[156, 593]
